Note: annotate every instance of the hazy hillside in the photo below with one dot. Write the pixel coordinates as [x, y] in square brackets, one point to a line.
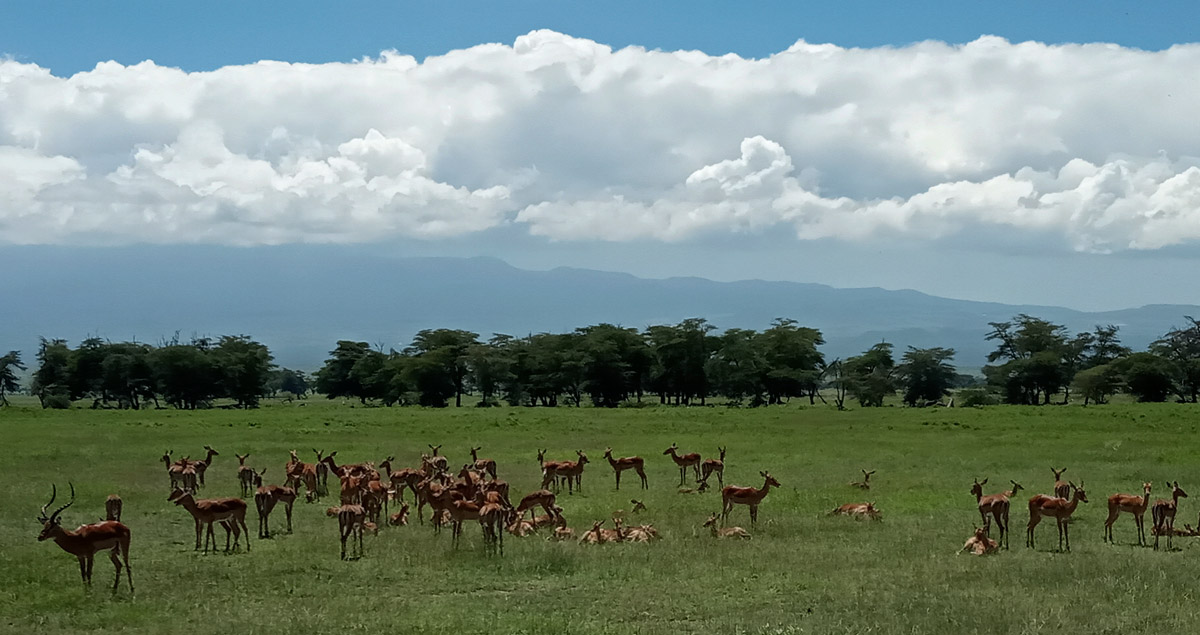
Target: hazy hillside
[300, 300]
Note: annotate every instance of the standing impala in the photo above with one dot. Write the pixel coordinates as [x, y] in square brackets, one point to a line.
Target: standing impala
[265, 500]
[84, 542]
[733, 495]
[572, 472]
[210, 510]
[684, 462]
[1060, 509]
[1163, 514]
[1062, 489]
[483, 465]
[245, 474]
[634, 463]
[994, 506]
[1135, 505]
[717, 466]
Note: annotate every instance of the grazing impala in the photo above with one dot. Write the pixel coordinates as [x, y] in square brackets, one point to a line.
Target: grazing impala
[995, 506]
[1163, 514]
[1135, 505]
[634, 463]
[542, 497]
[1062, 489]
[85, 541]
[733, 495]
[727, 532]
[717, 466]
[684, 462]
[1060, 509]
[210, 510]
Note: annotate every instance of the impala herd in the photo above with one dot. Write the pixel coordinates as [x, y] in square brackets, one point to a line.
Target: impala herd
[476, 494]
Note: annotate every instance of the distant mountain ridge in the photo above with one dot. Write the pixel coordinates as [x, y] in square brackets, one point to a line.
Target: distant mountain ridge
[301, 300]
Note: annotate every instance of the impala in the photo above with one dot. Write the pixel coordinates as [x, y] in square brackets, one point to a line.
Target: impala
[858, 510]
[265, 499]
[210, 510]
[1163, 514]
[979, 543]
[438, 462]
[245, 474]
[542, 497]
[593, 536]
[400, 518]
[732, 495]
[174, 470]
[1042, 506]
[995, 506]
[638, 506]
[85, 541]
[727, 532]
[351, 519]
[112, 507]
[634, 463]
[717, 466]
[1062, 489]
[572, 472]
[202, 466]
[322, 474]
[483, 465]
[684, 462]
[1135, 505]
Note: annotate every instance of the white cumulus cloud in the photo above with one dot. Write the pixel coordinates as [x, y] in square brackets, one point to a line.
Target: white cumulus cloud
[1091, 145]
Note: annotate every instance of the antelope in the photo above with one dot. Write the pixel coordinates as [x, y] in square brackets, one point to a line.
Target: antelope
[553, 518]
[492, 517]
[460, 512]
[732, 495]
[202, 466]
[351, 519]
[483, 465]
[399, 518]
[306, 473]
[701, 487]
[1163, 514]
[245, 474]
[174, 470]
[866, 482]
[404, 477]
[265, 499]
[562, 531]
[727, 532]
[438, 462]
[572, 472]
[548, 469]
[614, 535]
[717, 466]
[542, 497]
[112, 507]
[1062, 489]
[637, 506]
[86, 540]
[593, 536]
[979, 543]
[995, 506]
[207, 511]
[858, 510]
[641, 533]
[684, 462]
[1059, 508]
[190, 475]
[634, 463]
[322, 473]
[1135, 505]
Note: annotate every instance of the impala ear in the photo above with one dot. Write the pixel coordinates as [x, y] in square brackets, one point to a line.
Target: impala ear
[984, 481]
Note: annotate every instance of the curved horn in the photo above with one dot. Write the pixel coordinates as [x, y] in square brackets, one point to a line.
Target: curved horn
[54, 516]
[53, 495]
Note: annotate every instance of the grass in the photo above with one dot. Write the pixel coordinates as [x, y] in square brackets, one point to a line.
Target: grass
[803, 572]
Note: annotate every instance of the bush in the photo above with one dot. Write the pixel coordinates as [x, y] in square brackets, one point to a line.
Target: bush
[975, 397]
[57, 401]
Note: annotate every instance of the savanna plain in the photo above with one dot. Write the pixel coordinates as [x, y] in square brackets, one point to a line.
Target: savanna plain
[803, 571]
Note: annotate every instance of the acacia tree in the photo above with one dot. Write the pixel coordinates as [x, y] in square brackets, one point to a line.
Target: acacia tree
[926, 374]
[1035, 353]
[1181, 347]
[443, 357]
[51, 380]
[9, 365]
[870, 376]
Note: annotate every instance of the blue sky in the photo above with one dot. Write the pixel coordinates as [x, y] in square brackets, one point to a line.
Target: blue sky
[71, 36]
[1059, 165]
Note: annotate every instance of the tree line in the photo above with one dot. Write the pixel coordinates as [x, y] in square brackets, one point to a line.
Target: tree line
[604, 365]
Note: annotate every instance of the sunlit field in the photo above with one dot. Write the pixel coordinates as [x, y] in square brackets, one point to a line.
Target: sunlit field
[803, 571]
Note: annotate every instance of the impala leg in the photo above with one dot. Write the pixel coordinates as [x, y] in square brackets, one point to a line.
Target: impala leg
[618, 480]
[754, 514]
[198, 530]
[116, 560]
[91, 560]
[83, 569]
[288, 510]
[1033, 523]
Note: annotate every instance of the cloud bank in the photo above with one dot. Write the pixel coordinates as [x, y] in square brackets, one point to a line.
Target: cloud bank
[1092, 146]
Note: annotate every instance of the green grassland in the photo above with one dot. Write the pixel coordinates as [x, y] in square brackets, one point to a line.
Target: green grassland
[803, 572]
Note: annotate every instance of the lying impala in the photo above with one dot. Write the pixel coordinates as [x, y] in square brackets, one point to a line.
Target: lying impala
[210, 510]
[732, 495]
[85, 541]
